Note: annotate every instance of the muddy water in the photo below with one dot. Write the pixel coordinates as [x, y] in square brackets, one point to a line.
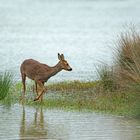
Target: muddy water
[18, 122]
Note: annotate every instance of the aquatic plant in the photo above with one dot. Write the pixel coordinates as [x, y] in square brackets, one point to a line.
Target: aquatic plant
[5, 84]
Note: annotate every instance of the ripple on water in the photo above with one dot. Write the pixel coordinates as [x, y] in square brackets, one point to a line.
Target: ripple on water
[18, 122]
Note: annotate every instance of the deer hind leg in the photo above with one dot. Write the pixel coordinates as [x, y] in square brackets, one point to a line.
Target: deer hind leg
[41, 97]
[23, 82]
[43, 89]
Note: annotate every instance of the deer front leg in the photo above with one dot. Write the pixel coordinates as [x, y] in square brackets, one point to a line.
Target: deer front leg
[43, 89]
[36, 88]
[40, 89]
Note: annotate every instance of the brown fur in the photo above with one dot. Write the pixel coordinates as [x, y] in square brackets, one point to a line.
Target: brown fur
[40, 72]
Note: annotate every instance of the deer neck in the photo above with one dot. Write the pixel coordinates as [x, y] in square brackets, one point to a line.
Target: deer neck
[55, 69]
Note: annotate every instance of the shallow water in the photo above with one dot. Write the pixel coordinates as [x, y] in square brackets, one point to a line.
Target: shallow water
[18, 122]
[82, 29]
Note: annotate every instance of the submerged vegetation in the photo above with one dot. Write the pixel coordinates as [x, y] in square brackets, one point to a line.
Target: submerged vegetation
[116, 91]
[121, 103]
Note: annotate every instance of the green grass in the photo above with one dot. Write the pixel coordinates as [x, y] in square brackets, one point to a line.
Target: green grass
[9, 92]
[72, 97]
[83, 96]
[67, 100]
[125, 103]
[6, 82]
[72, 85]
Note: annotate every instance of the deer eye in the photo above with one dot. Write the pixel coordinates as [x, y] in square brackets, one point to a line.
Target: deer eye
[66, 63]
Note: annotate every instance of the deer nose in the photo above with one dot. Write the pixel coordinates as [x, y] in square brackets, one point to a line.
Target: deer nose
[70, 69]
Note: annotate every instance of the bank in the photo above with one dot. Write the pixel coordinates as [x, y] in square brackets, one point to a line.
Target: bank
[80, 96]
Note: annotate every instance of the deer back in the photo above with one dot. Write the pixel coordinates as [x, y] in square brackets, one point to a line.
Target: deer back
[34, 69]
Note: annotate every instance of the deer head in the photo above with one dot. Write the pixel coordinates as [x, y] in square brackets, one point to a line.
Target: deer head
[64, 64]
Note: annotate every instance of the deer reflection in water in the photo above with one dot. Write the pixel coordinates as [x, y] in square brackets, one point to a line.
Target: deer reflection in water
[36, 129]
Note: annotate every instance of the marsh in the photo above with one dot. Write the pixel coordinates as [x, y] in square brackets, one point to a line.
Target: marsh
[84, 31]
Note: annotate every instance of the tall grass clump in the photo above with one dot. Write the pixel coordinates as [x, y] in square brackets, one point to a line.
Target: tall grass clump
[125, 71]
[5, 85]
[107, 77]
[128, 58]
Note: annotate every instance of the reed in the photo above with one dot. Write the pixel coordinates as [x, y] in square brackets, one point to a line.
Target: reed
[5, 85]
[125, 72]
[128, 58]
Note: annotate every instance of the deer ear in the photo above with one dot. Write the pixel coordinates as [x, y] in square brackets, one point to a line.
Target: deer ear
[62, 56]
[59, 56]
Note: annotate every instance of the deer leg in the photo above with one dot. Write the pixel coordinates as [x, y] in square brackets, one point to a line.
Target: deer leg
[36, 87]
[23, 82]
[41, 98]
[41, 84]
[45, 90]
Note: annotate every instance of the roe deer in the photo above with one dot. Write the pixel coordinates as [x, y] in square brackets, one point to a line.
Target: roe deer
[40, 72]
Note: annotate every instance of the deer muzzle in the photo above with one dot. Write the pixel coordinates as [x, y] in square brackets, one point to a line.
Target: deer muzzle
[70, 69]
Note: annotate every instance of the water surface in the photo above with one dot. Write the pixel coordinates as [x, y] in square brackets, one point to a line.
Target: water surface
[18, 122]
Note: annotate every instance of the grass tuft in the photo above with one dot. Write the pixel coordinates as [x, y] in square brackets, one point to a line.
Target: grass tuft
[128, 58]
[6, 82]
[107, 78]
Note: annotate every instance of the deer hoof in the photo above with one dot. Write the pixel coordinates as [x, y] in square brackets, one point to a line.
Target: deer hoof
[35, 99]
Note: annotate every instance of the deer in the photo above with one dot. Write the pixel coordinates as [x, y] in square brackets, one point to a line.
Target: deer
[40, 73]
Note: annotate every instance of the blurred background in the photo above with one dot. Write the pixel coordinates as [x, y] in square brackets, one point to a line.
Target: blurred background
[83, 30]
